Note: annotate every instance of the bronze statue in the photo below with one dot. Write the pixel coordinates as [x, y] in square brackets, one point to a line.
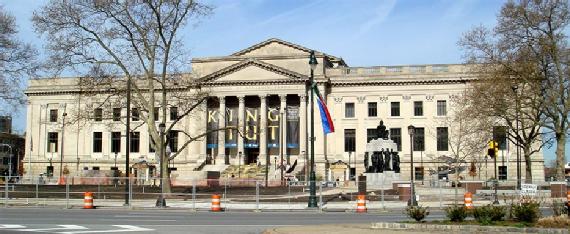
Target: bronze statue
[387, 160]
[395, 161]
[381, 131]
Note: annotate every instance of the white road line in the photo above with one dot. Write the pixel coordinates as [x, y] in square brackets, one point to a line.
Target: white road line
[62, 227]
[124, 228]
[226, 225]
[6, 226]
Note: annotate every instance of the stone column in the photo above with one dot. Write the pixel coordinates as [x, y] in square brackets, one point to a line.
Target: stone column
[303, 127]
[221, 134]
[263, 130]
[283, 127]
[241, 124]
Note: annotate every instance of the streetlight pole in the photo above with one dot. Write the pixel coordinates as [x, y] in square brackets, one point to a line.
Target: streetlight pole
[312, 177]
[239, 164]
[161, 202]
[281, 142]
[61, 181]
[128, 143]
[411, 131]
[515, 88]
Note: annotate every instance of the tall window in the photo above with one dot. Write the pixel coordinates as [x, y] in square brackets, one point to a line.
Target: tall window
[500, 136]
[135, 142]
[371, 134]
[52, 142]
[98, 114]
[349, 110]
[372, 109]
[116, 114]
[349, 140]
[441, 108]
[53, 115]
[396, 136]
[502, 172]
[173, 113]
[97, 142]
[173, 140]
[419, 171]
[442, 139]
[135, 114]
[395, 109]
[116, 142]
[419, 139]
[418, 108]
[156, 113]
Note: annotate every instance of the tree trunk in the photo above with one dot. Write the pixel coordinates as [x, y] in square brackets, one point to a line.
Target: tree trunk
[560, 174]
[456, 181]
[165, 177]
[528, 167]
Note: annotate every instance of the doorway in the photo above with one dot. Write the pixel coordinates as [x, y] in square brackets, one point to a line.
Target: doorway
[251, 155]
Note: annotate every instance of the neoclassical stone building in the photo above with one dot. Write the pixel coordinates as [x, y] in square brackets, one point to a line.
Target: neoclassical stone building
[257, 88]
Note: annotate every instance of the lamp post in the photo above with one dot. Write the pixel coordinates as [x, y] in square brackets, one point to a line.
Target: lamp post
[161, 202]
[116, 159]
[411, 131]
[61, 154]
[312, 177]
[239, 164]
[128, 143]
[515, 88]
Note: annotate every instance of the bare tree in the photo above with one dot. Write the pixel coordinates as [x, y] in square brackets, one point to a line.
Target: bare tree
[17, 59]
[114, 42]
[523, 74]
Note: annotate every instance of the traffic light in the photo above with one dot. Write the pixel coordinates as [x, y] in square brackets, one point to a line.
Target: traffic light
[493, 150]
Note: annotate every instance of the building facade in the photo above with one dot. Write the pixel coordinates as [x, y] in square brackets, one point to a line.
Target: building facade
[262, 90]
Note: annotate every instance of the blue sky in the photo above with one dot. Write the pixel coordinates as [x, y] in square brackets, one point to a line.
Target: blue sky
[362, 32]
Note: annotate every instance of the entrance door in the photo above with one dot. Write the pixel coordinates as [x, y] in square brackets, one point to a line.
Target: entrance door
[251, 155]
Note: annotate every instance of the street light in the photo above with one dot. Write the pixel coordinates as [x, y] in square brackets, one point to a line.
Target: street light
[312, 177]
[161, 202]
[61, 181]
[128, 144]
[411, 131]
[515, 88]
[239, 164]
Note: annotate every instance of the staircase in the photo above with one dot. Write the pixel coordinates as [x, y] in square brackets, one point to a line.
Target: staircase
[251, 171]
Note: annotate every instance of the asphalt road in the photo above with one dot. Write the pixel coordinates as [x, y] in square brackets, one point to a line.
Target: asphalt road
[47, 220]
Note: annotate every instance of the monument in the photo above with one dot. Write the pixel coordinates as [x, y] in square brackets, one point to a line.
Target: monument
[381, 160]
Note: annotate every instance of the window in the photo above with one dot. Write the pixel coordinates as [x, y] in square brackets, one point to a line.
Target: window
[156, 113]
[135, 114]
[500, 136]
[371, 134]
[53, 115]
[442, 139]
[502, 172]
[116, 142]
[441, 108]
[52, 142]
[173, 113]
[395, 109]
[349, 140]
[442, 173]
[97, 142]
[396, 136]
[372, 109]
[419, 139]
[419, 173]
[173, 140]
[116, 114]
[418, 108]
[135, 142]
[349, 110]
[98, 114]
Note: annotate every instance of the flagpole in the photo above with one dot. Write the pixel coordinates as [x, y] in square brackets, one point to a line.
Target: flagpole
[312, 177]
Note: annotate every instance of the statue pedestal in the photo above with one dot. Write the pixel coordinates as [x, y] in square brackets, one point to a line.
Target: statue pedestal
[381, 180]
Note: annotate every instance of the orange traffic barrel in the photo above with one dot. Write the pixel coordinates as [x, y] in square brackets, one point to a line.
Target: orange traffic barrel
[88, 200]
[468, 200]
[216, 203]
[361, 204]
[568, 198]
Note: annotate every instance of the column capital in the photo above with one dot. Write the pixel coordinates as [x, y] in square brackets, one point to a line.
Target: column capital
[263, 97]
[222, 99]
[241, 99]
[282, 97]
[303, 97]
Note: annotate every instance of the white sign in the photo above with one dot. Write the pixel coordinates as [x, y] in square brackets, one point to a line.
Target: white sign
[528, 189]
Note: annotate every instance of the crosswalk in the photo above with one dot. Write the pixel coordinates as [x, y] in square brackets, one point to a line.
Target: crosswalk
[72, 229]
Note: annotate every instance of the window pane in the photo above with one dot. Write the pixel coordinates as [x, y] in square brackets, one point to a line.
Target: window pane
[135, 114]
[395, 108]
[371, 134]
[418, 108]
[156, 113]
[173, 140]
[500, 136]
[442, 139]
[441, 108]
[97, 142]
[52, 142]
[419, 173]
[173, 113]
[135, 142]
[419, 139]
[349, 140]
[396, 136]
[372, 109]
[98, 114]
[116, 114]
[53, 115]
[349, 110]
[116, 142]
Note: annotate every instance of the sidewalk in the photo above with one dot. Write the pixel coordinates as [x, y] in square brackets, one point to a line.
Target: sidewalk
[339, 229]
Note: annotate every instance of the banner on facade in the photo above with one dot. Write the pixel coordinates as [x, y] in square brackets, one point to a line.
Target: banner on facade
[273, 131]
[292, 127]
[231, 121]
[251, 133]
[212, 124]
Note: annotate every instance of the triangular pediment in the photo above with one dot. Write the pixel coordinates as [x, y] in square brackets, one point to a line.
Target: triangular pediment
[252, 70]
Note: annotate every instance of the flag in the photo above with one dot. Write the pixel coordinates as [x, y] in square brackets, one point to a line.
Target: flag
[326, 119]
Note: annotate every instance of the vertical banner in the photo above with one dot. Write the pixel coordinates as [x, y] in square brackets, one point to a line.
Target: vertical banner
[252, 127]
[292, 127]
[231, 121]
[273, 133]
[212, 123]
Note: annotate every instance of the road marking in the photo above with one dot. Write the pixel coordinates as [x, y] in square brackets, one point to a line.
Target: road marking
[6, 226]
[124, 228]
[62, 227]
[226, 225]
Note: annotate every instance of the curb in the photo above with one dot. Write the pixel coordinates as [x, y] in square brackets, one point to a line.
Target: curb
[465, 228]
